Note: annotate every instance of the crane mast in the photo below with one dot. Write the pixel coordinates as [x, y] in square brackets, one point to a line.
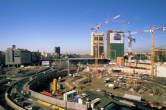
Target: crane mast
[152, 46]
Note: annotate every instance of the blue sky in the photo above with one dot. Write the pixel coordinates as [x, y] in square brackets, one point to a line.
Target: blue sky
[43, 24]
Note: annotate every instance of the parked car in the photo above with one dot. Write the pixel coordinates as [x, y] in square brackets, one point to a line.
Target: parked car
[107, 80]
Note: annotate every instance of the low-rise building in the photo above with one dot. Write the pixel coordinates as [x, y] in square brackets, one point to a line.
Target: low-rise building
[160, 70]
[17, 57]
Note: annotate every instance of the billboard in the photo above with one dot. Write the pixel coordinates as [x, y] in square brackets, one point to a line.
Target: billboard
[45, 63]
[116, 37]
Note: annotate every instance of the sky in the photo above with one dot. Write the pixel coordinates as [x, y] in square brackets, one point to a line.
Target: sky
[43, 24]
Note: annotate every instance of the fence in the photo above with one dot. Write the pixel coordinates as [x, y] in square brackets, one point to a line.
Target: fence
[62, 103]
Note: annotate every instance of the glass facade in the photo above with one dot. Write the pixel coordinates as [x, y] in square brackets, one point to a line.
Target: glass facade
[116, 50]
[101, 50]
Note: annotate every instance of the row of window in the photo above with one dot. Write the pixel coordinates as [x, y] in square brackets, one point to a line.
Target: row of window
[99, 38]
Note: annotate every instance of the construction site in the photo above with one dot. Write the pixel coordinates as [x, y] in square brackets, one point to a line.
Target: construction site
[114, 75]
[123, 81]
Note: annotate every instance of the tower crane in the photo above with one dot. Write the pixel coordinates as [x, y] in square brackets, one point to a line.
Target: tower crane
[130, 40]
[152, 46]
[133, 39]
[124, 23]
[153, 28]
[96, 28]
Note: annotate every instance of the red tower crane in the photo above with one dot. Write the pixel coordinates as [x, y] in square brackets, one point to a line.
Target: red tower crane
[105, 22]
[153, 28]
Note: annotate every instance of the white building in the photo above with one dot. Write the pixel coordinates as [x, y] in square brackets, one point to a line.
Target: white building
[160, 70]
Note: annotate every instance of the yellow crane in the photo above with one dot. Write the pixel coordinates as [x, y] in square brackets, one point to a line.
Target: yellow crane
[152, 48]
[152, 44]
[96, 60]
[152, 53]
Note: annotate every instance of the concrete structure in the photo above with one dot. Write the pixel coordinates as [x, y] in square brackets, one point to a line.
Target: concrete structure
[88, 60]
[94, 102]
[160, 70]
[17, 57]
[132, 97]
[115, 44]
[57, 52]
[2, 58]
[61, 103]
[97, 40]
[69, 95]
[130, 70]
[160, 55]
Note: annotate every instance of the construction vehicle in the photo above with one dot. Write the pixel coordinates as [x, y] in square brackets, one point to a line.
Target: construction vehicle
[54, 85]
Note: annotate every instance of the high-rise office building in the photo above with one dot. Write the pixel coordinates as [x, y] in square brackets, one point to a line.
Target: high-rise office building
[2, 58]
[57, 52]
[115, 44]
[97, 44]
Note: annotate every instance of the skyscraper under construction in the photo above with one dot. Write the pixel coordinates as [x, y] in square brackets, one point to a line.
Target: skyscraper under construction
[97, 44]
[115, 44]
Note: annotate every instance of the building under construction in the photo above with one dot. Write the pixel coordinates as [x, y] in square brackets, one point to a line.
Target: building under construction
[57, 52]
[115, 44]
[97, 44]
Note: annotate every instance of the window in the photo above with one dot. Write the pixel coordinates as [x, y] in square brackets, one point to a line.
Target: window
[101, 38]
[95, 38]
[117, 37]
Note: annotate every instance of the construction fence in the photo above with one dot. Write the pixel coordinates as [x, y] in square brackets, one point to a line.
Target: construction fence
[58, 102]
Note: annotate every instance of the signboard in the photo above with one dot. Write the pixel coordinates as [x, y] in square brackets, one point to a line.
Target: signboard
[116, 37]
[45, 63]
